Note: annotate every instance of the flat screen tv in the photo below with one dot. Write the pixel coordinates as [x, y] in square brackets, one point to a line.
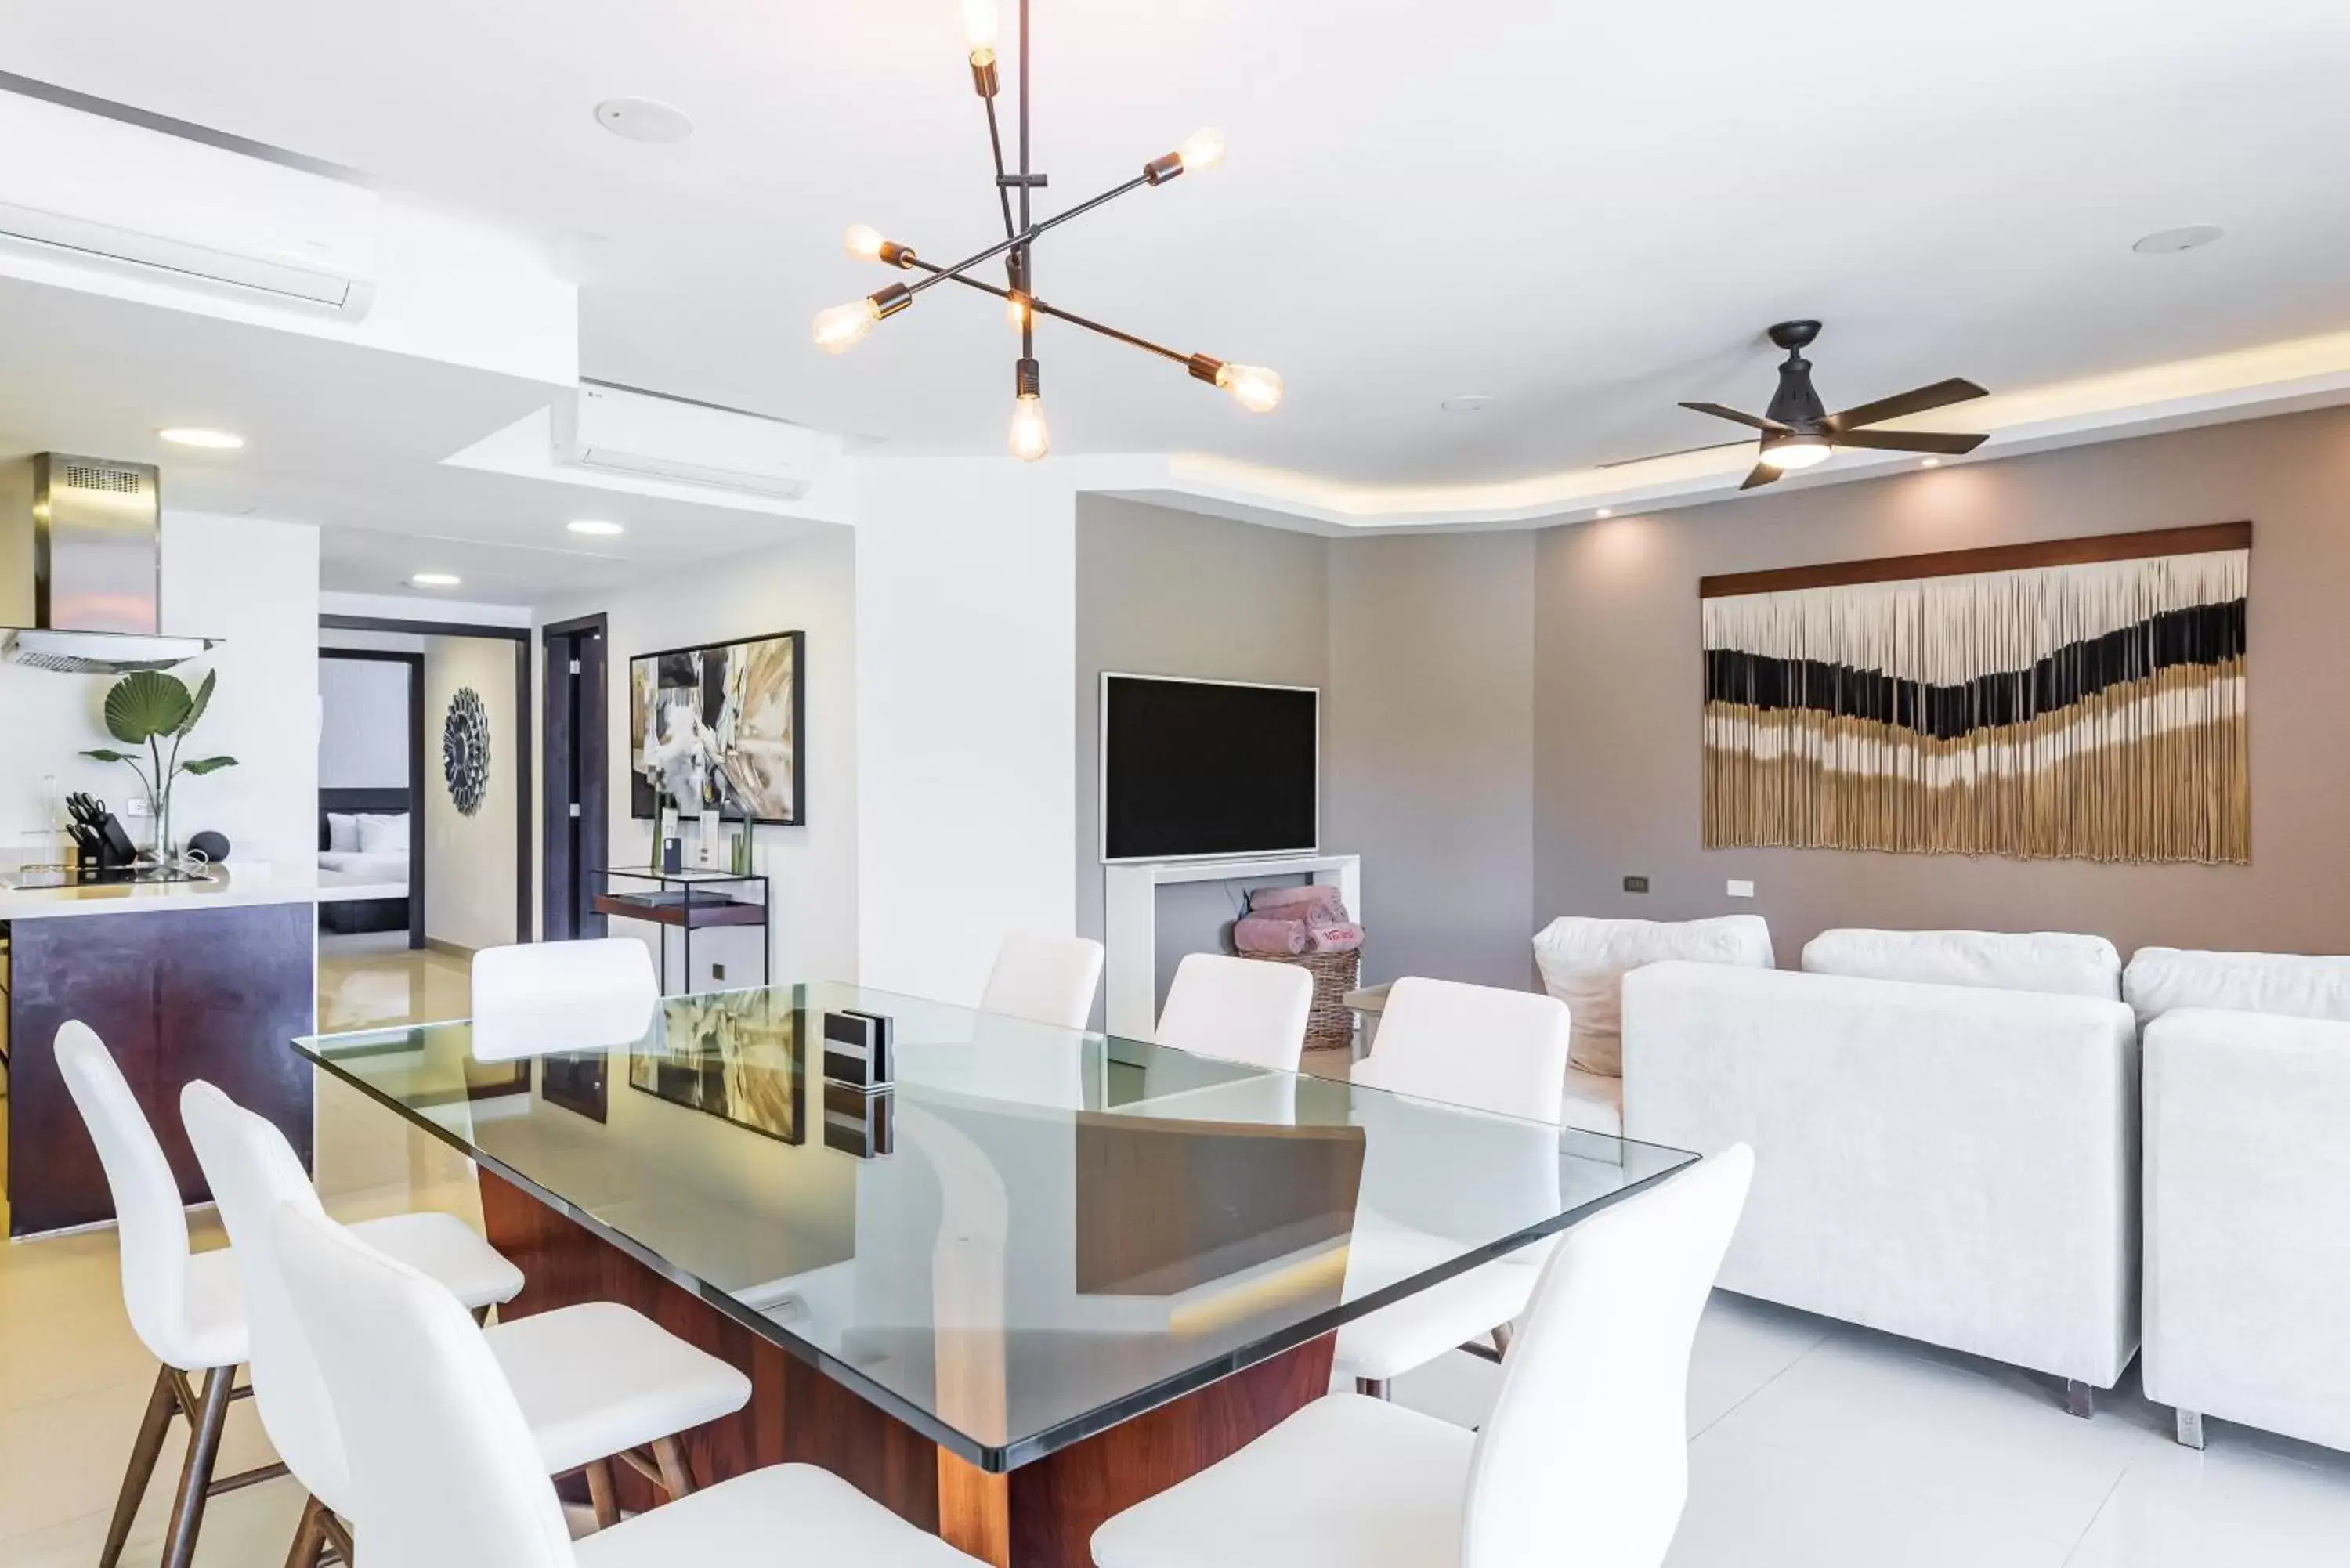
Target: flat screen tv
[1199, 768]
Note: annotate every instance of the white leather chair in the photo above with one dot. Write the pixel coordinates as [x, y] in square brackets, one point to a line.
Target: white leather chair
[1240, 1010]
[1044, 979]
[187, 1306]
[1585, 1459]
[1503, 1052]
[531, 998]
[592, 1380]
[446, 1472]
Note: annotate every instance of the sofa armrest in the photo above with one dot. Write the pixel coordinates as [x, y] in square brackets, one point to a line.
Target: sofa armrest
[2248, 1220]
[1955, 1164]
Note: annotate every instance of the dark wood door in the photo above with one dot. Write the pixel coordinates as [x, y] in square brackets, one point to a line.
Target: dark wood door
[576, 749]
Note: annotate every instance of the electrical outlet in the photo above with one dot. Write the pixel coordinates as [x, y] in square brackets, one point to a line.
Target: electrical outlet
[135, 806]
[1636, 884]
[1741, 889]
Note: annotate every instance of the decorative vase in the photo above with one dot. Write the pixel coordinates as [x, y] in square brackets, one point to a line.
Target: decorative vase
[159, 809]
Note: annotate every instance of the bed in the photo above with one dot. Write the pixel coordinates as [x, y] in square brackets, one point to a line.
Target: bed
[370, 885]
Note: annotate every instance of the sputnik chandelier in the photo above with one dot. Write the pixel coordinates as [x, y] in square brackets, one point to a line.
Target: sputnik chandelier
[841, 328]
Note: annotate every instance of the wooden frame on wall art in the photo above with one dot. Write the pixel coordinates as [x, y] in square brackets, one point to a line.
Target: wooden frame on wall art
[2078, 698]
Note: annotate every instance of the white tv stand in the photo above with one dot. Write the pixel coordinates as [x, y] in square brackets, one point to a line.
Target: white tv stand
[1130, 920]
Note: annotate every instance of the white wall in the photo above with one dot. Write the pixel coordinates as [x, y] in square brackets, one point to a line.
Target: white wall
[469, 861]
[806, 584]
[362, 724]
[966, 670]
[254, 585]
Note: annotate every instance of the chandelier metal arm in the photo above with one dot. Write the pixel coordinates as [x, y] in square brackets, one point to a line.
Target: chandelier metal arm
[1055, 311]
[1002, 193]
[1029, 234]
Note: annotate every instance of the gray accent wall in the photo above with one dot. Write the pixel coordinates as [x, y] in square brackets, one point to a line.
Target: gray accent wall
[1618, 684]
[1428, 724]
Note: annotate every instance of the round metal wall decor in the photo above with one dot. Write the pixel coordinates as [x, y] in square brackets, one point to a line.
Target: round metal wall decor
[465, 749]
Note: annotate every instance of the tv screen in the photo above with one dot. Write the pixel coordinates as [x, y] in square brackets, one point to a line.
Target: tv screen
[1197, 768]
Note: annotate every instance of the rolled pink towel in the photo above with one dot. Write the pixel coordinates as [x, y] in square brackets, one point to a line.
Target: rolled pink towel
[1298, 903]
[1263, 934]
[1333, 937]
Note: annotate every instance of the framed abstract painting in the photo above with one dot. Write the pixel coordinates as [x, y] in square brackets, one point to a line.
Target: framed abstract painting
[719, 728]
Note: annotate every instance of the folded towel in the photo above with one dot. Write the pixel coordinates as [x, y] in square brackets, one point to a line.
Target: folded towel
[1333, 937]
[1261, 934]
[1298, 903]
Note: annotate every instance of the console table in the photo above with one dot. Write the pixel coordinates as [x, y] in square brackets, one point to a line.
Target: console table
[1130, 920]
[686, 901]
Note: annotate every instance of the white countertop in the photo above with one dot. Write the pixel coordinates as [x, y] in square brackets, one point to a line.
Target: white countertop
[231, 885]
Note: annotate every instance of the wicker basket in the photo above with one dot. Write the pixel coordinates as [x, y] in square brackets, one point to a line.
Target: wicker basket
[1331, 1025]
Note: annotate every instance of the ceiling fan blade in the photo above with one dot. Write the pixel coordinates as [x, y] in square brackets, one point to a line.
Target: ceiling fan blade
[1940, 395]
[1910, 441]
[1750, 420]
[1764, 474]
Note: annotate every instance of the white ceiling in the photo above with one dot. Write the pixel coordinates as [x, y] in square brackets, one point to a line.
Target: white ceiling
[1588, 212]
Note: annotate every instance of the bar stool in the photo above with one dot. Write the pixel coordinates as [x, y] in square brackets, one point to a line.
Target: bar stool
[594, 1381]
[446, 1474]
[1044, 979]
[1240, 1010]
[1490, 1050]
[187, 1306]
[1585, 1459]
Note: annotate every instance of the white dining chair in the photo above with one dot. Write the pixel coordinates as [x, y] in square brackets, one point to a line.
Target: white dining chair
[445, 1470]
[532, 997]
[187, 1307]
[594, 1381]
[1242, 1010]
[1044, 979]
[1503, 1052]
[1585, 1459]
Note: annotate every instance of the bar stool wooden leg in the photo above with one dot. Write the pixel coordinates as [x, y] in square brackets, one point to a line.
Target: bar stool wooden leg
[676, 1478]
[152, 1429]
[600, 1496]
[208, 1419]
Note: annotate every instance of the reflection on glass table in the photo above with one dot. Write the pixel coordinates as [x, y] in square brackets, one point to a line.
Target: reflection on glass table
[1066, 1229]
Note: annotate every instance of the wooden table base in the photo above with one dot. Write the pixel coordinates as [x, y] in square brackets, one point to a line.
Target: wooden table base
[1042, 1515]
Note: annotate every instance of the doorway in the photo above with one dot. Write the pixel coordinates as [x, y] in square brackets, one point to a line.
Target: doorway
[576, 747]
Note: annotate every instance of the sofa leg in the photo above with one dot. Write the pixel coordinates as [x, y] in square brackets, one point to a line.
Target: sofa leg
[2190, 1428]
[2080, 1399]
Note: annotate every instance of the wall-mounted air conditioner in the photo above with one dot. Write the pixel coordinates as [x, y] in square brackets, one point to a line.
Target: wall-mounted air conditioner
[669, 438]
[97, 191]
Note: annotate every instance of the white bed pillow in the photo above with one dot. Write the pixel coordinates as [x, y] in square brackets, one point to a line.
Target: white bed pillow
[342, 832]
[383, 834]
[2292, 985]
[2060, 962]
[1584, 961]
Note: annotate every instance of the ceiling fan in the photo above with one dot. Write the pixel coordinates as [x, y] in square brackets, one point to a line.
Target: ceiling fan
[1798, 430]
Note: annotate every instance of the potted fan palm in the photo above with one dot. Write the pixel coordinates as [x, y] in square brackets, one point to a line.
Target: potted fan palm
[147, 708]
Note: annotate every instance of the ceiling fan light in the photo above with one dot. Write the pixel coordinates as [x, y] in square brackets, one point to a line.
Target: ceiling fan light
[1797, 452]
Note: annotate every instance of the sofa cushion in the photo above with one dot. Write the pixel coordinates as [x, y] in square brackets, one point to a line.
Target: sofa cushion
[2292, 985]
[2060, 962]
[1584, 961]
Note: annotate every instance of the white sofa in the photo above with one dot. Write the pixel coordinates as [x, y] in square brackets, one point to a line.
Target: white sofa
[1957, 1163]
[2248, 1190]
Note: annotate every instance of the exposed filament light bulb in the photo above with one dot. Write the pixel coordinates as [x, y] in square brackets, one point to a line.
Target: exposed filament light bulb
[864, 242]
[978, 30]
[1017, 312]
[844, 326]
[1252, 386]
[1202, 149]
[1030, 438]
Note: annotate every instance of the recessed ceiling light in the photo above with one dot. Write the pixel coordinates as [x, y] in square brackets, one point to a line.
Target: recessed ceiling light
[436, 580]
[193, 435]
[643, 120]
[1930, 463]
[2167, 242]
[1605, 512]
[1468, 403]
[595, 529]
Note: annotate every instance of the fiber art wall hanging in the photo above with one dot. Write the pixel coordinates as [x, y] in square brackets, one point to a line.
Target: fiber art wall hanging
[2082, 699]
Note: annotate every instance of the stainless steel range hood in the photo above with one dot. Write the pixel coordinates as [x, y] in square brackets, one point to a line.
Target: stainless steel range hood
[81, 567]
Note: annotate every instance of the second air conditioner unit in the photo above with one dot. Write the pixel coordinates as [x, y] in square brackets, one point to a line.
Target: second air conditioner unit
[657, 437]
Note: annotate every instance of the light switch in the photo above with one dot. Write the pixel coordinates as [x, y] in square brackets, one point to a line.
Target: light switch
[1741, 889]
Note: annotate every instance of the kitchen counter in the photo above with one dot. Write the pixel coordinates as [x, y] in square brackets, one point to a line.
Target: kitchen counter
[230, 886]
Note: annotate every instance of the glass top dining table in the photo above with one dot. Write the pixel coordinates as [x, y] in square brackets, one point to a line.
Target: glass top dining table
[1036, 1234]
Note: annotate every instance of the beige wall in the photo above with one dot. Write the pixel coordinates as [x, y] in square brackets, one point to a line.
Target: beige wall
[1617, 688]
